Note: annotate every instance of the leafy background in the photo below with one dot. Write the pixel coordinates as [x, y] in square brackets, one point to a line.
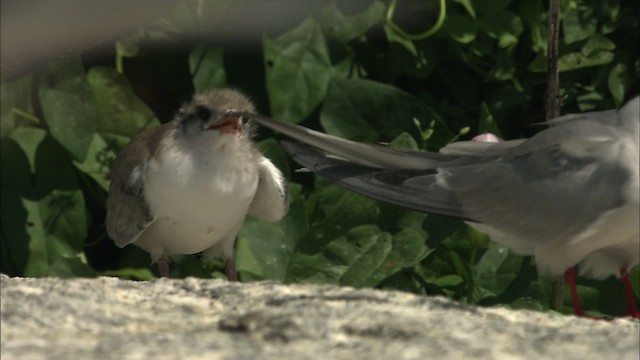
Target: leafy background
[336, 66]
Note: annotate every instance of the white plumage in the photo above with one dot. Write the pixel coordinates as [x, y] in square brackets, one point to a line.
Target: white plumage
[186, 186]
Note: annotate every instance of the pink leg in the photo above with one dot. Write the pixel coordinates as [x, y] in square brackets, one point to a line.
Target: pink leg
[230, 269]
[163, 266]
[570, 278]
[632, 309]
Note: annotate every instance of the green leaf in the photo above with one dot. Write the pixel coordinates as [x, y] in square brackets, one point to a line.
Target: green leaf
[25, 226]
[505, 68]
[597, 42]
[578, 23]
[596, 51]
[619, 81]
[404, 141]
[16, 166]
[16, 232]
[539, 38]
[487, 123]
[461, 28]
[71, 118]
[588, 100]
[364, 250]
[497, 268]
[326, 257]
[489, 7]
[98, 161]
[46, 222]
[527, 303]
[533, 11]
[363, 256]
[53, 167]
[71, 267]
[406, 57]
[341, 211]
[41, 233]
[121, 115]
[468, 6]
[450, 280]
[298, 71]
[405, 249]
[68, 107]
[341, 208]
[588, 296]
[367, 111]
[131, 274]
[15, 99]
[264, 249]
[395, 38]
[504, 26]
[190, 265]
[207, 68]
[345, 248]
[576, 61]
[346, 28]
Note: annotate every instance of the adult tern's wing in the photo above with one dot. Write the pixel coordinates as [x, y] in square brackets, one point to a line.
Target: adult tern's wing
[410, 188]
[568, 191]
[363, 154]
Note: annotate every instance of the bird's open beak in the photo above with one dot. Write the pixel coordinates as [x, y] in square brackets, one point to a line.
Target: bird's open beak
[230, 124]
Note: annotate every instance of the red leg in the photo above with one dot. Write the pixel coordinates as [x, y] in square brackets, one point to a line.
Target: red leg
[570, 278]
[163, 266]
[632, 309]
[230, 269]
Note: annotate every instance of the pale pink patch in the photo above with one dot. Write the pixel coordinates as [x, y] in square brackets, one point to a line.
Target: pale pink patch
[487, 137]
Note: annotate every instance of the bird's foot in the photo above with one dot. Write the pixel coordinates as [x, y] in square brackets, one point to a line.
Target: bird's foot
[632, 308]
[570, 278]
[230, 269]
[163, 266]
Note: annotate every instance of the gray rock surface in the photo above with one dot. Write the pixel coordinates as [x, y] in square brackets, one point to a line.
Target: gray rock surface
[108, 318]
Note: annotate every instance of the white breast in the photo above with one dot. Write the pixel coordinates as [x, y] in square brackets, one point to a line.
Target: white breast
[199, 194]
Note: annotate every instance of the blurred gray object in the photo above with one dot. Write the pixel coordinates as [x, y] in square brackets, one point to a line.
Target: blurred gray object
[34, 32]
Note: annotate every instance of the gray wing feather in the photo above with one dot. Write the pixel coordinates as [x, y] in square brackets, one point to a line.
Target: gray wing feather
[363, 154]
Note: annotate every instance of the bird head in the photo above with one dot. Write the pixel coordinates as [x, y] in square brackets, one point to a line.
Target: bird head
[215, 113]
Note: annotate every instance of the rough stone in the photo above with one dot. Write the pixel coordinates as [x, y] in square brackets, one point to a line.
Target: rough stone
[108, 318]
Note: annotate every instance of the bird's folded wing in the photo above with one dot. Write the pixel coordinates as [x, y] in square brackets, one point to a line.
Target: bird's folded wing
[128, 212]
[271, 201]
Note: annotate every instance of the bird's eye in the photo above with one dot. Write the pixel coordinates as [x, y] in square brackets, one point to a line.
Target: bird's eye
[244, 120]
[203, 113]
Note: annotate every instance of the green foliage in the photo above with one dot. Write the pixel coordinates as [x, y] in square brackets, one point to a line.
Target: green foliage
[480, 68]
